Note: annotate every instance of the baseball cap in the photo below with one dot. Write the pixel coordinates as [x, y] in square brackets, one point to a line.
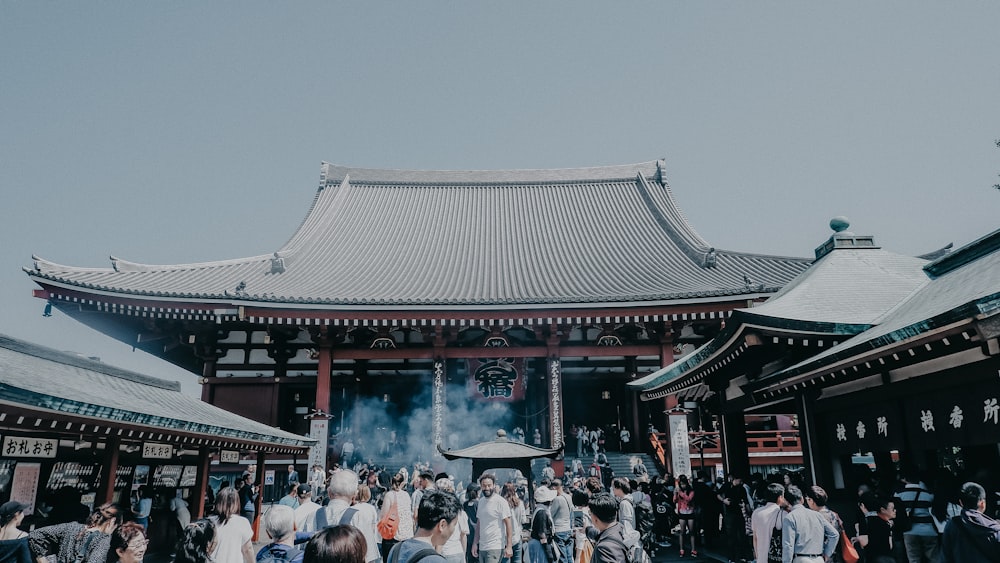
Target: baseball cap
[9, 509]
[303, 489]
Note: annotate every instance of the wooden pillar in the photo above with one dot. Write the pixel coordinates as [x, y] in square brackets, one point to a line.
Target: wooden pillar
[259, 481]
[733, 435]
[666, 358]
[208, 376]
[106, 489]
[323, 371]
[804, 409]
[197, 503]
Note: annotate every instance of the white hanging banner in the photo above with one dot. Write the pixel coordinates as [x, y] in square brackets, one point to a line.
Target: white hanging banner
[318, 430]
[680, 447]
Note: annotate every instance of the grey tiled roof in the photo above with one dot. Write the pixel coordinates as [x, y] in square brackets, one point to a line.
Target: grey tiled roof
[847, 286]
[844, 293]
[422, 239]
[37, 377]
[970, 290]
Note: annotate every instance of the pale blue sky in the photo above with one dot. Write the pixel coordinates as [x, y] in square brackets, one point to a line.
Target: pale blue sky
[166, 132]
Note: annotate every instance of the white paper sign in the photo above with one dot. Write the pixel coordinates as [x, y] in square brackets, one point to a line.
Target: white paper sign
[318, 428]
[680, 447]
[23, 446]
[228, 456]
[153, 450]
[26, 476]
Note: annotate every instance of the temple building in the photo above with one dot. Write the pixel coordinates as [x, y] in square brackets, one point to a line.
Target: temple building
[544, 291]
[890, 362]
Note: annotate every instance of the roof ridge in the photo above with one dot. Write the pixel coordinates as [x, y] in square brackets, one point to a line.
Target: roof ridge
[333, 173]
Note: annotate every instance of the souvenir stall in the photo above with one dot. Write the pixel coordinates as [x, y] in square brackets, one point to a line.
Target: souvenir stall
[76, 433]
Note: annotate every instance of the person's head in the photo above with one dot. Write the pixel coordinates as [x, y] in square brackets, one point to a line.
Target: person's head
[398, 480]
[886, 508]
[196, 542]
[12, 511]
[816, 497]
[593, 485]
[364, 493]
[488, 484]
[472, 491]
[972, 496]
[426, 480]
[793, 494]
[293, 489]
[227, 503]
[773, 493]
[580, 498]
[291, 468]
[343, 485]
[603, 510]
[106, 517]
[304, 492]
[544, 495]
[279, 522]
[437, 515]
[510, 493]
[128, 544]
[336, 544]
[444, 484]
[557, 485]
[620, 487]
[868, 502]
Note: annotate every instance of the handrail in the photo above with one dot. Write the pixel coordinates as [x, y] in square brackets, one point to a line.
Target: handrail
[758, 441]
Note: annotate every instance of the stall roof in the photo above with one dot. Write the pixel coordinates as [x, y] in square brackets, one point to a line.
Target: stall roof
[56, 385]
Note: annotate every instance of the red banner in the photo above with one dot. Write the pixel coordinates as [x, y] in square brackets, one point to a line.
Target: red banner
[497, 379]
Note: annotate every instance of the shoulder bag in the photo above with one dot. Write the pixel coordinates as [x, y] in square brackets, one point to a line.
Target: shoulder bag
[388, 525]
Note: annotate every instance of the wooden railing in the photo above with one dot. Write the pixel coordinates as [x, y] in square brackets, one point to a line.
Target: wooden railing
[758, 441]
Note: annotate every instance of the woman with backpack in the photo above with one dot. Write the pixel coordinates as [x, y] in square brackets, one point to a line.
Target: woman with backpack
[396, 501]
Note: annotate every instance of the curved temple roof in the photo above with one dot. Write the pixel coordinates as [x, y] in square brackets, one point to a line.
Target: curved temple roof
[424, 239]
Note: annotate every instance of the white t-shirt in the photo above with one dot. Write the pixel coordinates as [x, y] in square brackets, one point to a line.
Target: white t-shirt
[230, 538]
[404, 530]
[762, 521]
[491, 513]
[366, 520]
[454, 545]
[304, 516]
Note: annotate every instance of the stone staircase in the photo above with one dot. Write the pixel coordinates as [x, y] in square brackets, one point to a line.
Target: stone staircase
[620, 463]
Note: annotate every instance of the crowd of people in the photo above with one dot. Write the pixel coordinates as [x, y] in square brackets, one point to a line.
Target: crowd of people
[372, 518]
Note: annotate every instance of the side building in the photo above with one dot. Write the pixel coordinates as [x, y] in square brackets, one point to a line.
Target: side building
[537, 295]
[890, 363]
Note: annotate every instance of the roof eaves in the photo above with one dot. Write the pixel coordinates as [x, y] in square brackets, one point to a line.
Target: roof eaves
[62, 405]
[858, 346]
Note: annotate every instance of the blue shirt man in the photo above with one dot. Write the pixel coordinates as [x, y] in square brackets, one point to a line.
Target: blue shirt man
[806, 537]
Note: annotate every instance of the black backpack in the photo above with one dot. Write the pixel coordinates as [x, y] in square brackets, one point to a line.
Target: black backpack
[345, 518]
[644, 518]
[278, 553]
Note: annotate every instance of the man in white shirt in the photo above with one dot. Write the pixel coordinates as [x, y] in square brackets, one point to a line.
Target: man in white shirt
[305, 512]
[342, 489]
[494, 531]
[766, 520]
